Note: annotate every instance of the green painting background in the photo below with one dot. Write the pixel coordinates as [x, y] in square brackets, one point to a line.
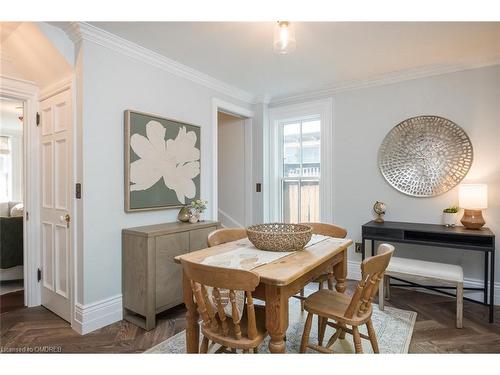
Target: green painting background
[159, 195]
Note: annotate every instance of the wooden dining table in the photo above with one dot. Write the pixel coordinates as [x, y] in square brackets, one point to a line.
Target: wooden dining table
[279, 280]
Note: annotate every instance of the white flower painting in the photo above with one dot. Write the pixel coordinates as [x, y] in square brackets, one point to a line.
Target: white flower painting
[175, 161]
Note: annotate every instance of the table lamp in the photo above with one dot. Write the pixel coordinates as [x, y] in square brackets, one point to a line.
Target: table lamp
[473, 198]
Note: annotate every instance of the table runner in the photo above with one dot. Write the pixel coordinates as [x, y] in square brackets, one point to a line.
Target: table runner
[247, 256]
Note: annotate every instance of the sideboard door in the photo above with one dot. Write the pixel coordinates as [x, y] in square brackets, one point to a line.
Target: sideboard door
[168, 273]
[198, 238]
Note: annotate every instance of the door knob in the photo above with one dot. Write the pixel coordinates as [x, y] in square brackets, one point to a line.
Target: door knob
[66, 218]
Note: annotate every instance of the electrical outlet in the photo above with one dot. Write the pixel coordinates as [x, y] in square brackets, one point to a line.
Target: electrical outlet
[358, 247]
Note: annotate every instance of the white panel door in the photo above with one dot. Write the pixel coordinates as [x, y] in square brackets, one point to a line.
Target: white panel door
[55, 168]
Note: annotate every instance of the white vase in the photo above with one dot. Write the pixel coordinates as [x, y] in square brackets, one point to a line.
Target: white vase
[450, 219]
[194, 217]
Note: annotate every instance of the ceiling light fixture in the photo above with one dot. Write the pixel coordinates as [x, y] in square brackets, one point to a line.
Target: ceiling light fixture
[284, 38]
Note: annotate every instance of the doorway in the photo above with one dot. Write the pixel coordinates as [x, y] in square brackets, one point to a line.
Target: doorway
[231, 167]
[12, 203]
[47, 202]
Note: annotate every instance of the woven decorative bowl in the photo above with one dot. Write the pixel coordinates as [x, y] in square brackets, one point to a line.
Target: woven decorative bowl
[279, 236]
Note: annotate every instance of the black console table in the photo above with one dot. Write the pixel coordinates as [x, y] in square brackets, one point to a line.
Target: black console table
[458, 238]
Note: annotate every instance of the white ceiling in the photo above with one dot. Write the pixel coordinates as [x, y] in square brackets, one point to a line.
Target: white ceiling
[328, 54]
[25, 52]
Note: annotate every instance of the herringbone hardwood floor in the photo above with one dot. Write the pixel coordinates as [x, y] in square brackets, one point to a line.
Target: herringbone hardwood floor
[435, 332]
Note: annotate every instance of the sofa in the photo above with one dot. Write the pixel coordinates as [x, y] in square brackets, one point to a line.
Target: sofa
[11, 236]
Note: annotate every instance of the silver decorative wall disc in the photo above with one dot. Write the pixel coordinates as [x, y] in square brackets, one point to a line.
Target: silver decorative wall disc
[425, 156]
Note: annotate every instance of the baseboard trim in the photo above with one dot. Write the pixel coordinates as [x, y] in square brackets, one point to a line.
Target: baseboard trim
[354, 273]
[226, 218]
[99, 314]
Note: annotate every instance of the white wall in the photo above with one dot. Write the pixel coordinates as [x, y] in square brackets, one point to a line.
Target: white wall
[112, 83]
[363, 117]
[231, 170]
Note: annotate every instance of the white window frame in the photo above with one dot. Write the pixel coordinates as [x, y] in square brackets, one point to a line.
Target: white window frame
[273, 169]
[281, 155]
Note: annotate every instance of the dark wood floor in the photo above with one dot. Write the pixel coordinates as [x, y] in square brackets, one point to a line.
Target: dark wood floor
[434, 332]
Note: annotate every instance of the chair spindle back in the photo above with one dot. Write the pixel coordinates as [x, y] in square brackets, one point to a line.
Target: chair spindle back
[220, 236]
[372, 271]
[327, 230]
[225, 285]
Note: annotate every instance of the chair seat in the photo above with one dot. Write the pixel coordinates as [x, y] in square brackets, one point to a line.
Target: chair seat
[434, 270]
[332, 305]
[243, 343]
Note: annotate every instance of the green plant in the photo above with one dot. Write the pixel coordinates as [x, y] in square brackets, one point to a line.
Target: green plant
[451, 210]
[199, 205]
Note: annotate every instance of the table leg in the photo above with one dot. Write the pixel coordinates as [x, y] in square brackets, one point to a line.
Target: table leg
[373, 248]
[486, 278]
[192, 326]
[340, 272]
[492, 286]
[276, 318]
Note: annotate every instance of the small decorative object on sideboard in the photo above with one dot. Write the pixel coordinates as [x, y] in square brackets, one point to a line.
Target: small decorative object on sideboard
[184, 214]
[379, 208]
[473, 198]
[450, 216]
[196, 209]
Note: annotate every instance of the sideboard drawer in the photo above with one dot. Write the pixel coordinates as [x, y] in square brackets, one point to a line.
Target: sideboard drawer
[383, 233]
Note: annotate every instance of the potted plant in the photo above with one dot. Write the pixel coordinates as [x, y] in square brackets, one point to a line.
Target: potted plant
[450, 216]
[197, 207]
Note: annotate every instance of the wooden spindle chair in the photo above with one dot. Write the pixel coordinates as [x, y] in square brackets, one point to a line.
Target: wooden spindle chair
[325, 230]
[238, 331]
[329, 230]
[348, 311]
[220, 236]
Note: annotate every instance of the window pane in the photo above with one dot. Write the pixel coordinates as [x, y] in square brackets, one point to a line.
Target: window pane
[311, 155]
[291, 150]
[309, 202]
[291, 201]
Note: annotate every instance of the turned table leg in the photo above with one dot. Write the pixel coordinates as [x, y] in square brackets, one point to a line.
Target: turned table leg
[276, 318]
[340, 272]
[192, 326]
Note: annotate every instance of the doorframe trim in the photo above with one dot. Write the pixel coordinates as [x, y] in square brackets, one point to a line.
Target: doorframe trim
[28, 92]
[219, 105]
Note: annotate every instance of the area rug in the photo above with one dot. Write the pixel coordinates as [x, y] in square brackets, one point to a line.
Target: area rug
[394, 328]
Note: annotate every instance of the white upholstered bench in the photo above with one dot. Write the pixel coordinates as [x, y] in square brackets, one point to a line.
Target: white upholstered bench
[444, 274]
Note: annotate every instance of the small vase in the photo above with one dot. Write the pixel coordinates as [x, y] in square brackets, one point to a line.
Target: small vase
[450, 219]
[184, 214]
[194, 217]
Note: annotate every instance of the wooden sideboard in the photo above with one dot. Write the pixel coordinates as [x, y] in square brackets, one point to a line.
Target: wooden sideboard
[151, 280]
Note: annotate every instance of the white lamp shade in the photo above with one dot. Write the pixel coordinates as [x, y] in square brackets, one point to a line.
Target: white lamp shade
[473, 196]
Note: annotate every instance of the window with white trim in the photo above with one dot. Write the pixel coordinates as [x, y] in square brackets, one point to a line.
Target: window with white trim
[300, 169]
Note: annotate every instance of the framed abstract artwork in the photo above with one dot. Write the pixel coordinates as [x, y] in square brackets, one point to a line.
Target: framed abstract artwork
[162, 162]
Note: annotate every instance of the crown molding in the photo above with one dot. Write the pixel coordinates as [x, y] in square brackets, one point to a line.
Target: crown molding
[55, 88]
[79, 31]
[385, 79]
